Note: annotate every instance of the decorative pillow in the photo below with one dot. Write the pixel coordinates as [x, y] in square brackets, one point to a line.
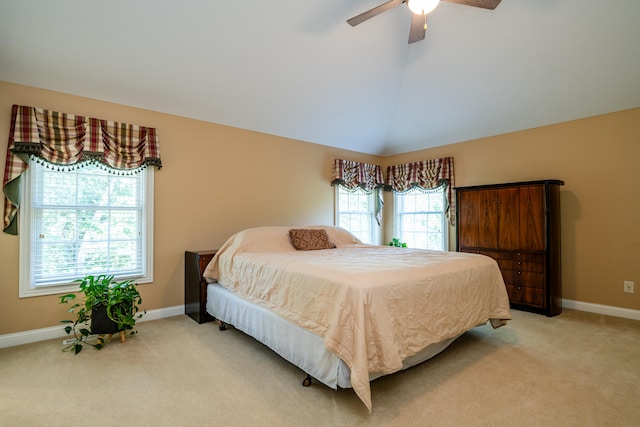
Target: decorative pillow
[308, 239]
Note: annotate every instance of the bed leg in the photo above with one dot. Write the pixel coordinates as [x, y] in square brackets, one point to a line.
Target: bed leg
[307, 381]
[222, 326]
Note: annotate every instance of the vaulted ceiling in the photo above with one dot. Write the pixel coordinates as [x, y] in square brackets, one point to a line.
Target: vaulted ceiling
[296, 69]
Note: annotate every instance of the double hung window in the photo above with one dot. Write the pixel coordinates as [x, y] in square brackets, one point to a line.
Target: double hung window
[420, 219]
[356, 212]
[84, 220]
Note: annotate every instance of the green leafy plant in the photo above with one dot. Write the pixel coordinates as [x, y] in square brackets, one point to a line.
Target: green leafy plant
[121, 302]
[397, 243]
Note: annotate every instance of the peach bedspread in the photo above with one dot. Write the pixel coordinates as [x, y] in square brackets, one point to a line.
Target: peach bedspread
[373, 305]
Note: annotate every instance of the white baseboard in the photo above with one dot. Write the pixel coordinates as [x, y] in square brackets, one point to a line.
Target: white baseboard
[608, 310]
[26, 337]
[34, 335]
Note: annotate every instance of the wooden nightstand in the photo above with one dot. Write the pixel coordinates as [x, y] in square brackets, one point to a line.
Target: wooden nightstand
[195, 288]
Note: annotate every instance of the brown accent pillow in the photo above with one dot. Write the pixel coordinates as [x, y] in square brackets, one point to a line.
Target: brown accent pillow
[306, 239]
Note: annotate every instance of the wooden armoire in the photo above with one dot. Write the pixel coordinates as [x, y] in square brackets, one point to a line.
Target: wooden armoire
[517, 224]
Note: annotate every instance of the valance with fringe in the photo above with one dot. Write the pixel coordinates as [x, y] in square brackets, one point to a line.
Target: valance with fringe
[351, 175]
[427, 175]
[68, 141]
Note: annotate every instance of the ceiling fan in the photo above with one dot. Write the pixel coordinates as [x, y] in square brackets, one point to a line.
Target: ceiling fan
[420, 9]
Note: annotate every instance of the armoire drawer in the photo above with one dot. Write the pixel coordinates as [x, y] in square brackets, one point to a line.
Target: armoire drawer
[531, 279]
[526, 295]
[514, 264]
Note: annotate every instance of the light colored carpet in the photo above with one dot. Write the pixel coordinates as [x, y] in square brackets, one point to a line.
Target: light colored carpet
[576, 369]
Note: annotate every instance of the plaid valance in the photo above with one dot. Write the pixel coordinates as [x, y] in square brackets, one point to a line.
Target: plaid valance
[67, 139]
[427, 174]
[351, 175]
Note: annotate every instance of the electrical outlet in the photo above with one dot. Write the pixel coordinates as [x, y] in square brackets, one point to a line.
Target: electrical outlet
[628, 286]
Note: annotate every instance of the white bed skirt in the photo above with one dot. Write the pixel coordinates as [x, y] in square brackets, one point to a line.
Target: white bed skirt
[295, 344]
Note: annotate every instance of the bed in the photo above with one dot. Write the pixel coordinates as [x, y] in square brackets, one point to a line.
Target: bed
[346, 312]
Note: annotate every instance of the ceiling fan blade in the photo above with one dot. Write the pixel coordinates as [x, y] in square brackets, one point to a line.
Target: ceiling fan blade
[418, 28]
[358, 19]
[484, 4]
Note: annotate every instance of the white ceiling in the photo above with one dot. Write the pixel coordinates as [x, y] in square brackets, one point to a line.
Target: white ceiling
[296, 69]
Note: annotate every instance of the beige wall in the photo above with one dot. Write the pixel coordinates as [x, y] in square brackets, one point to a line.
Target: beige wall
[215, 180]
[200, 200]
[599, 160]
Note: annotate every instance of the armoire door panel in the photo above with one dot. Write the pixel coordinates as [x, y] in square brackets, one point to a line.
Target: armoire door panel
[469, 221]
[509, 218]
[532, 213]
[487, 202]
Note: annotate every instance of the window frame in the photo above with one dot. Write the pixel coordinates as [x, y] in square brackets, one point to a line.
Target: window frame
[397, 214]
[375, 227]
[26, 287]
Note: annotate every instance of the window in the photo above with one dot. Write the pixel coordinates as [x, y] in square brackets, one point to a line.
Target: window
[356, 212]
[420, 218]
[80, 221]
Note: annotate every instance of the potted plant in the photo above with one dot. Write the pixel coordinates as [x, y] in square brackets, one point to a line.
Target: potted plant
[108, 307]
[397, 243]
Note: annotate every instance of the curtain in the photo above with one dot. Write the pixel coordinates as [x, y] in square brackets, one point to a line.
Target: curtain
[427, 174]
[69, 141]
[351, 175]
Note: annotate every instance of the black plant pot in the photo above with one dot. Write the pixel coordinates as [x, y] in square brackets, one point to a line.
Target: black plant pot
[100, 322]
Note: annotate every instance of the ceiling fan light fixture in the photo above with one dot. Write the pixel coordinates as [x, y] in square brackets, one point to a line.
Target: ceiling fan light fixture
[422, 7]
